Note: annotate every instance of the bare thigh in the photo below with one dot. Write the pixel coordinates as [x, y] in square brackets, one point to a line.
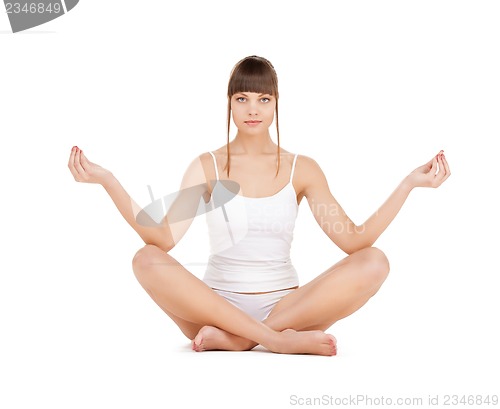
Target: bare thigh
[364, 270]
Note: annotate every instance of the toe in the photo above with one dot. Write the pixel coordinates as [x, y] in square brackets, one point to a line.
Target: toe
[333, 344]
[198, 343]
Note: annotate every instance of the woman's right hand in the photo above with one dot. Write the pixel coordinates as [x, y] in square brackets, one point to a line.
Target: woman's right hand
[85, 171]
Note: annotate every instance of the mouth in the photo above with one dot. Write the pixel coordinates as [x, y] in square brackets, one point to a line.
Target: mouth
[253, 122]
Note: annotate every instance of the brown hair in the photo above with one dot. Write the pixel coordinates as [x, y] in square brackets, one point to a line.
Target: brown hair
[252, 74]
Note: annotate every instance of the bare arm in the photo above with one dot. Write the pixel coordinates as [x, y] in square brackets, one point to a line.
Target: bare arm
[341, 229]
[152, 233]
[165, 234]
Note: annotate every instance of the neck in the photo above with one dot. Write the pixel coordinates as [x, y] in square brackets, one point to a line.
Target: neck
[255, 144]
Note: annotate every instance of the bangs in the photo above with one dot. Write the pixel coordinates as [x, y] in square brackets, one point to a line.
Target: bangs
[253, 74]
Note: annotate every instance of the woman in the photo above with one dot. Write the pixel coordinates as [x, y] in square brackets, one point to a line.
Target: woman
[250, 294]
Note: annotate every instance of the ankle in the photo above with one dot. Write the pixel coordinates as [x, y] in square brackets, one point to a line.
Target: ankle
[275, 341]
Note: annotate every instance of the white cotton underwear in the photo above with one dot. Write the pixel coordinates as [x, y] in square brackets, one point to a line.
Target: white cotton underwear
[258, 306]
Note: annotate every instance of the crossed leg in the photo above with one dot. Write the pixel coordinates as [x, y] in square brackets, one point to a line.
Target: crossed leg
[338, 292]
[193, 305]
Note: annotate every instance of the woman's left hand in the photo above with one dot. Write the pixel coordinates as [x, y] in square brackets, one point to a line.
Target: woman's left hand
[432, 174]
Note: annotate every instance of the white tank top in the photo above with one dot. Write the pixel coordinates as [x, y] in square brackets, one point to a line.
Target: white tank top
[250, 240]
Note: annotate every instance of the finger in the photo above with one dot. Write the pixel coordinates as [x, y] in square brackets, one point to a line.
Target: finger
[439, 177]
[441, 171]
[446, 166]
[433, 168]
[435, 156]
[84, 162]
[71, 163]
[446, 169]
[428, 165]
[435, 160]
[78, 164]
[72, 157]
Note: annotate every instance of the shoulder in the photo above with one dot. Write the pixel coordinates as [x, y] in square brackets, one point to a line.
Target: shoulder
[200, 170]
[308, 175]
[307, 167]
[205, 158]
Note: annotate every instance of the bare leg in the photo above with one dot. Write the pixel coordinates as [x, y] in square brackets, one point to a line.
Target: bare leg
[191, 303]
[336, 293]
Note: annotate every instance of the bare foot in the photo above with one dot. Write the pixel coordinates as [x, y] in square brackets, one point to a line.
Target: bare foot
[212, 338]
[305, 342]
[288, 341]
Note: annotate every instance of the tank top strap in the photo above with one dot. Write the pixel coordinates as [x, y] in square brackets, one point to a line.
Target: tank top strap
[293, 167]
[215, 165]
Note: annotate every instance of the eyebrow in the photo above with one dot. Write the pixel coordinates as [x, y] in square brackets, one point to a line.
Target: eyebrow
[242, 93]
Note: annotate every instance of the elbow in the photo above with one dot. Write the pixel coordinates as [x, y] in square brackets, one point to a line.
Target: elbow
[161, 239]
[349, 250]
[164, 245]
[354, 244]
[354, 248]
[166, 248]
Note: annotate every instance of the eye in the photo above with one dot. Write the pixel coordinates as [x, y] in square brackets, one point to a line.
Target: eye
[265, 99]
[240, 99]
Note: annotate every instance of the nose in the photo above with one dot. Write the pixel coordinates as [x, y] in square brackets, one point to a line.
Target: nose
[253, 108]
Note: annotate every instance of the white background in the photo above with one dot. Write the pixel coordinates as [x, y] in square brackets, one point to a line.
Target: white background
[370, 90]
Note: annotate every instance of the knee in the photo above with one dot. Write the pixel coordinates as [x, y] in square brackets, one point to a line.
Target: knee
[375, 267]
[144, 259]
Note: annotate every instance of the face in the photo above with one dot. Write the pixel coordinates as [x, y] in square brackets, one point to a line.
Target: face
[253, 112]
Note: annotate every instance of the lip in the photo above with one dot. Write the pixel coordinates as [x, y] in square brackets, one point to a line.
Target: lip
[253, 122]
